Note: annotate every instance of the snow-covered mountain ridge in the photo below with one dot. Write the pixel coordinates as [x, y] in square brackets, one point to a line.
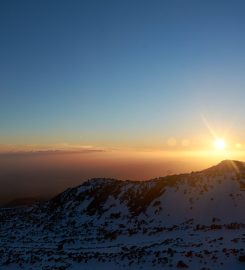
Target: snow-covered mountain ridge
[130, 224]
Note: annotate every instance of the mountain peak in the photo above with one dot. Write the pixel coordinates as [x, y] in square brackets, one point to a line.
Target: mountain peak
[228, 166]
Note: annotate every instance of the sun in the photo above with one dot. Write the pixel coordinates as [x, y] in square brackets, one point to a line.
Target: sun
[219, 144]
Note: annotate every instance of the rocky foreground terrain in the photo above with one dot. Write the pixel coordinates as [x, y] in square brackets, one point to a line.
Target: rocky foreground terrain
[194, 221]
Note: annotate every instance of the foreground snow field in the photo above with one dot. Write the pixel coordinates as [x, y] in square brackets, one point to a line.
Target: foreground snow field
[194, 221]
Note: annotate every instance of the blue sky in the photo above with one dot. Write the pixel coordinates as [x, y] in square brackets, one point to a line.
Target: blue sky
[119, 72]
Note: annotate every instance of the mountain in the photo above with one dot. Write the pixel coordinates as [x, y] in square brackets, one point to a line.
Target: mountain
[192, 220]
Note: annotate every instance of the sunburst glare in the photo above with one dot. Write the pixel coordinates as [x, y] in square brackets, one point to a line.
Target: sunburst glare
[219, 144]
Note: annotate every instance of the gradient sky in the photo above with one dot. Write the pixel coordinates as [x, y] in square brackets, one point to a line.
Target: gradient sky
[119, 81]
[119, 72]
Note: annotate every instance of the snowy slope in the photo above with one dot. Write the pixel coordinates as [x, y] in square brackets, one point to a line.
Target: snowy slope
[192, 220]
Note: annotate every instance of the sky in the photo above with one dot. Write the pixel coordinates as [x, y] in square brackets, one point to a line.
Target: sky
[121, 80]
